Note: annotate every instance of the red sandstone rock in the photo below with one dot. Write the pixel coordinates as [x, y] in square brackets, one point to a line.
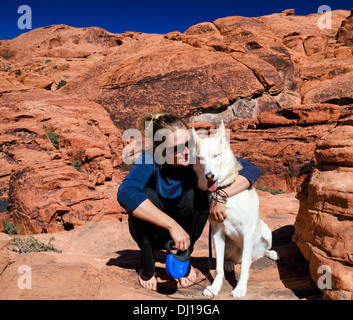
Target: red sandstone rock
[345, 32]
[134, 72]
[336, 90]
[323, 229]
[303, 115]
[282, 142]
[336, 148]
[192, 63]
[173, 77]
[45, 193]
[282, 24]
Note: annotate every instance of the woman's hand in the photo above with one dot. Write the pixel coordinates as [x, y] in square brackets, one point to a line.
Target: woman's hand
[217, 211]
[180, 237]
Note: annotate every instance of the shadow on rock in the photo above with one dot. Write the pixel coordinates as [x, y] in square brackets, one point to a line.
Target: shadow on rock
[293, 267]
[130, 260]
[127, 259]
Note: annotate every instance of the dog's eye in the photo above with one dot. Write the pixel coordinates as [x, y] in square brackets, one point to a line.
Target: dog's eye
[216, 155]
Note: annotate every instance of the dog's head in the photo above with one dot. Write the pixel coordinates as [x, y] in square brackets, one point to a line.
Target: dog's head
[215, 163]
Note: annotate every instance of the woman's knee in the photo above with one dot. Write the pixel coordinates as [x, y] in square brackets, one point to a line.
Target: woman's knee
[194, 200]
[153, 196]
[186, 201]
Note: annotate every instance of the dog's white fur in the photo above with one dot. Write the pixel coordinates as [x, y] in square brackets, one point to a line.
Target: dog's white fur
[242, 236]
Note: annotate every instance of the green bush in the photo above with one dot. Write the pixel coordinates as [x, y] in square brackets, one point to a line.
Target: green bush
[61, 84]
[54, 138]
[31, 244]
[274, 192]
[291, 93]
[9, 227]
[77, 165]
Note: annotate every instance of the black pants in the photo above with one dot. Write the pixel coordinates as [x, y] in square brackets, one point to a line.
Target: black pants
[190, 211]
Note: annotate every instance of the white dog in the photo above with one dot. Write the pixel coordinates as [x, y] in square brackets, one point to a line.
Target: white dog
[242, 236]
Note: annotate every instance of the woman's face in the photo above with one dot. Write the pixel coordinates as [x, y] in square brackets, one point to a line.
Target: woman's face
[178, 147]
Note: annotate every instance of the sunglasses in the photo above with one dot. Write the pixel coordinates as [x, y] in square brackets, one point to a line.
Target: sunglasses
[179, 148]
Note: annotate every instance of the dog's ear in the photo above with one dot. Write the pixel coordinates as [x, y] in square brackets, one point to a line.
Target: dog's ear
[221, 133]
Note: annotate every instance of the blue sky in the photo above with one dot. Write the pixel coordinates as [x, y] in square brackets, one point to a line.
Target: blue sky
[150, 16]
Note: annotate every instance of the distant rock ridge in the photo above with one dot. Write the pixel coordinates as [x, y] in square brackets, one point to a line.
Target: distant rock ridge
[235, 67]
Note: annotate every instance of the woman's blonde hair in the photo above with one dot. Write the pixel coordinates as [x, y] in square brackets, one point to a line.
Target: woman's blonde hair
[151, 123]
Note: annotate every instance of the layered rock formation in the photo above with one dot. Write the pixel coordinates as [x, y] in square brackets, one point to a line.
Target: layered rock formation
[49, 186]
[245, 65]
[323, 229]
[282, 142]
[231, 69]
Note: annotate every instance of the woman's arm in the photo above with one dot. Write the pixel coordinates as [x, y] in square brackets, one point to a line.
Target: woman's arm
[130, 194]
[239, 185]
[249, 171]
[149, 212]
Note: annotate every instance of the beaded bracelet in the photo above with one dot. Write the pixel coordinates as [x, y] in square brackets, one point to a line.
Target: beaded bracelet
[222, 193]
[220, 196]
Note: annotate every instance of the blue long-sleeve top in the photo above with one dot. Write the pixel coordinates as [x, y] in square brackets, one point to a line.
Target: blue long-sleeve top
[169, 182]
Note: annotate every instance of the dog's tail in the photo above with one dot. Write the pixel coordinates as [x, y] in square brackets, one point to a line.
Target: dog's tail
[272, 254]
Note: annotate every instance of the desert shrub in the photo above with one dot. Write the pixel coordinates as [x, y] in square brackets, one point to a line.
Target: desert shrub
[54, 138]
[7, 54]
[31, 244]
[61, 84]
[77, 165]
[266, 189]
[291, 93]
[9, 227]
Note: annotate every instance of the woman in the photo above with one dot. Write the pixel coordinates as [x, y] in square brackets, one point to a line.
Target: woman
[162, 198]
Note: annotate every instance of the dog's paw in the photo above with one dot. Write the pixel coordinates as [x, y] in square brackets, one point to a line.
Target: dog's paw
[239, 292]
[211, 291]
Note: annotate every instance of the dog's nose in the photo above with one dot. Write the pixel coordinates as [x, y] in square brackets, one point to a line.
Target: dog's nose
[209, 176]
